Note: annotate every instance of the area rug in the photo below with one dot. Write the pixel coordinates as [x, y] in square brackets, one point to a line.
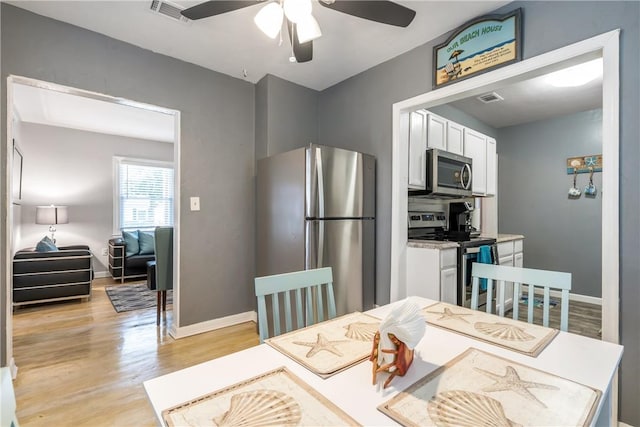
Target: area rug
[133, 297]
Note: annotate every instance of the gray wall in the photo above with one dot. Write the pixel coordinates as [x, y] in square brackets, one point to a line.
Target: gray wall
[217, 146]
[286, 116]
[74, 168]
[560, 233]
[357, 112]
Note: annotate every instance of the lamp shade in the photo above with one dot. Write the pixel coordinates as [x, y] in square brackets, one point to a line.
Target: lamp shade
[52, 215]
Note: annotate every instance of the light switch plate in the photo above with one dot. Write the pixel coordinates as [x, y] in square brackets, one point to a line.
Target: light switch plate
[195, 203]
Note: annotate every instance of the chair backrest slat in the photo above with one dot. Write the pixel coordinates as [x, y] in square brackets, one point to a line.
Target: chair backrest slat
[517, 276]
[308, 285]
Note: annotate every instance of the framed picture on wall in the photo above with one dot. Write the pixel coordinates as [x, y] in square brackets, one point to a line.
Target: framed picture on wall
[18, 160]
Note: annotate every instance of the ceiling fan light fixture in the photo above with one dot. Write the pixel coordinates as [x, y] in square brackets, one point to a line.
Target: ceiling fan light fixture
[297, 10]
[269, 19]
[308, 29]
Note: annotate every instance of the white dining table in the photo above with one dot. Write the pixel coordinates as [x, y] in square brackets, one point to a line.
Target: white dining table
[584, 360]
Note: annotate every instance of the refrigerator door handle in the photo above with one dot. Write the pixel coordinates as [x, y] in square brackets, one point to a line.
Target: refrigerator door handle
[320, 172]
[314, 250]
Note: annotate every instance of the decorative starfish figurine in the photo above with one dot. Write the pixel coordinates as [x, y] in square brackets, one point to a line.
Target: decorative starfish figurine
[322, 344]
[448, 314]
[590, 161]
[511, 381]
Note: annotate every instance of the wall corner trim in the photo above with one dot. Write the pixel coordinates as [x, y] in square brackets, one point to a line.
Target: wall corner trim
[213, 324]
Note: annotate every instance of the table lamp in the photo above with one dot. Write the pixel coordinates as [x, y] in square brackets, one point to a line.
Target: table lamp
[52, 215]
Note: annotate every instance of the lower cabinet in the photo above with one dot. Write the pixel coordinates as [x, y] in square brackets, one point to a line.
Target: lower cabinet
[432, 273]
[510, 253]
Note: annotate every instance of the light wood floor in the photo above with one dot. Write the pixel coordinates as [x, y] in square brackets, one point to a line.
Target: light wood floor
[584, 318]
[83, 364]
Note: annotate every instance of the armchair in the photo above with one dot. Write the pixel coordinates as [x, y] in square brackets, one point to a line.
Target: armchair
[160, 271]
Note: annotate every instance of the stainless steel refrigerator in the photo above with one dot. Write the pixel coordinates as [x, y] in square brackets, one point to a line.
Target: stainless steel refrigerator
[315, 208]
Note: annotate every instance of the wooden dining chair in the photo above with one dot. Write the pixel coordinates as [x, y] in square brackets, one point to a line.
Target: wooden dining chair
[314, 287]
[532, 279]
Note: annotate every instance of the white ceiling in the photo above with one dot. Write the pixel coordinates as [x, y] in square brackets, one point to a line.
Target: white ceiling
[231, 43]
[533, 100]
[53, 108]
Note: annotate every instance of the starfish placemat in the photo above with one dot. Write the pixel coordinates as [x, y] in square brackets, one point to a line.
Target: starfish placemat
[276, 397]
[515, 335]
[479, 388]
[329, 347]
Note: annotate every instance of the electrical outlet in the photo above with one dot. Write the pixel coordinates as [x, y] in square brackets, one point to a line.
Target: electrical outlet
[195, 203]
[104, 252]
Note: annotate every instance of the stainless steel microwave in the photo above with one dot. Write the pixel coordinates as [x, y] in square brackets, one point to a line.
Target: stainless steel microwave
[448, 176]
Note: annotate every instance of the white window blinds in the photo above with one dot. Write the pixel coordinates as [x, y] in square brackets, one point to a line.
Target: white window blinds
[145, 194]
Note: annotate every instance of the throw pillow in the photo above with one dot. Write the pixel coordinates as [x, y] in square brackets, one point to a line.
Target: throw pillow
[46, 245]
[131, 240]
[147, 242]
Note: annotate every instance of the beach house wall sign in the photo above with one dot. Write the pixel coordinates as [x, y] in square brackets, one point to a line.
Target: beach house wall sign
[480, 45]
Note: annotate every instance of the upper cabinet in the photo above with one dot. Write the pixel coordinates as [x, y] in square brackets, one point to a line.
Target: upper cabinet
[428, 130]
[475, 147]
[436, 132]
[492, 169]
[455, 138]
[417, 150]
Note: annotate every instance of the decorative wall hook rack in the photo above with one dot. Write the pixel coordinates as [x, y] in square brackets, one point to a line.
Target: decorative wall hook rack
[584, 164]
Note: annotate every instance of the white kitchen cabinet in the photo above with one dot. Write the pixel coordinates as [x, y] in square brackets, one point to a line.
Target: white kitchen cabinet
[449, 285]
[436, 132]
[511, 253]
[417, 150]
[455, 138]
[492, 170]
[475, 147]
[432, 273]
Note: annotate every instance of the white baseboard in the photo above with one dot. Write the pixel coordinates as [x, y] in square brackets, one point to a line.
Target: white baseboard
[574, 297]
[585, 298]
[100, 274]
[621, 424]
[212, 325]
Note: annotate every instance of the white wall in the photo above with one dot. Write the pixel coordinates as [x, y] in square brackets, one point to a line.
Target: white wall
[75, 169]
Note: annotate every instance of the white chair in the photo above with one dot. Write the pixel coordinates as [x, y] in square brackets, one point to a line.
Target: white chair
[530, 277]
[8, 398]
[313, 285]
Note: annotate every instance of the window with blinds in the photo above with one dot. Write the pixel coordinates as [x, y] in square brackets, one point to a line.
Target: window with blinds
[144, 194]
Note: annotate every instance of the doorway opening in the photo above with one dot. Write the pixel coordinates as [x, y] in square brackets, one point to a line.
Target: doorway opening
[605, 45]
[99, 115]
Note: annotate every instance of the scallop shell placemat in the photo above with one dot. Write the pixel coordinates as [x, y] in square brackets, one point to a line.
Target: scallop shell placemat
[478, 388]
[329, 347]
[276, 397]
[518, 336]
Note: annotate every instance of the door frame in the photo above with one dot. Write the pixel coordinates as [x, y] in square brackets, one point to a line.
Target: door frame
[608, 45]
[7, 236]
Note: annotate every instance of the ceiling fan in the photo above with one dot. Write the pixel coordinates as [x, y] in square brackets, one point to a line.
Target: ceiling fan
[301, 25]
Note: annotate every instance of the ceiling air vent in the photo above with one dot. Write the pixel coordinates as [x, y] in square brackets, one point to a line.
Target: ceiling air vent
[169, 10]
[488, 98]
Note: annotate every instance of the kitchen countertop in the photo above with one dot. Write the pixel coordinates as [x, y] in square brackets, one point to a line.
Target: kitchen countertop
[434, 244]
[508, 237]
[431, 244]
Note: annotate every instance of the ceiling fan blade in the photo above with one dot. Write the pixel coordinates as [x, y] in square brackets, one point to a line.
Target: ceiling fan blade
[302, 51]
[216, 7]
[386, 12]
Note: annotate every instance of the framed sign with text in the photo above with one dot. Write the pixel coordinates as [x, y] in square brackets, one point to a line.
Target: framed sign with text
[485, 43]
